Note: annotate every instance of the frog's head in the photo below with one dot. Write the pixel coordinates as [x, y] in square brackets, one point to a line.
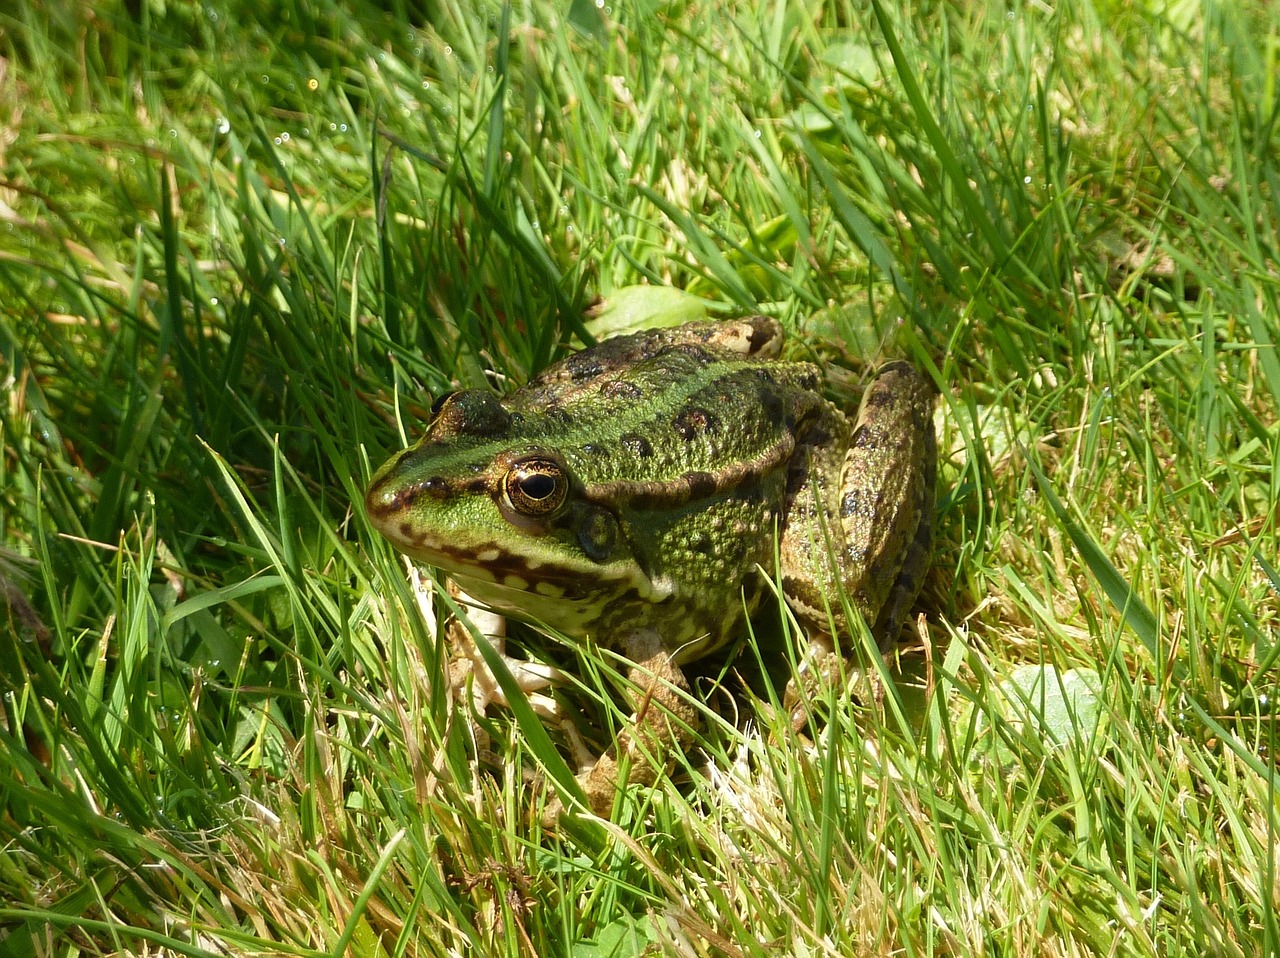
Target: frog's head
[505, 516]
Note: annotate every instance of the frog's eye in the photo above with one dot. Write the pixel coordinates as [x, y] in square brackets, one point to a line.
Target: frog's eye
[536, 487]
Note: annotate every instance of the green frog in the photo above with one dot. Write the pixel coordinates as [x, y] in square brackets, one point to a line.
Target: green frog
[644, 492]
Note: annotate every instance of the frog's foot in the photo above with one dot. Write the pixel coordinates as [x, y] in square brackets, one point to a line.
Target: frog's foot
[821, 671]
[468, 672]
[663, 719]
[598, 781]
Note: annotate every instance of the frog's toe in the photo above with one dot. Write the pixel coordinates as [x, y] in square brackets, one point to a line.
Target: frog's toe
[822, 669]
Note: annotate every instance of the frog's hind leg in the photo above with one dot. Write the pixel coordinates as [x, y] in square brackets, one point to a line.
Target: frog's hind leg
[887, 498]
[906, 586]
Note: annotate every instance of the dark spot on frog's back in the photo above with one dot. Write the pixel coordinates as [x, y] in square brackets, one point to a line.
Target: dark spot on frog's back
[692, 422]
[621, 390]
[583, 366]
[770, 405]
[637, 445]
[557, 414]
[699, 354]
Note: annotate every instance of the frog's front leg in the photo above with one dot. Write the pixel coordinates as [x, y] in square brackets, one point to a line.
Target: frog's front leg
[469, 670]
[662, 720]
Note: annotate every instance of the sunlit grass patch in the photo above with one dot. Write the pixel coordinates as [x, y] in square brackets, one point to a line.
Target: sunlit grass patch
[242, 251]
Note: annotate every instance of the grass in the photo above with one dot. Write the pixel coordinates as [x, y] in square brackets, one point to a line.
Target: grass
[244, 246]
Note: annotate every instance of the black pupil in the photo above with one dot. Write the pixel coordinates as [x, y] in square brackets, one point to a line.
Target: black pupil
[538, 485]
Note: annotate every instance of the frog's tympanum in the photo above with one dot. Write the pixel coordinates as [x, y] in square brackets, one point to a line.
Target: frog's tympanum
[640, 492]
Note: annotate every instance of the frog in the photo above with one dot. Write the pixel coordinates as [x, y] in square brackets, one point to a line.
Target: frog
[645, 493]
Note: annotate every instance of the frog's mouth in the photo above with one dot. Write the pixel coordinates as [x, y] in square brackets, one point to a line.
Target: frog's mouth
[502, 576]
[568, 602]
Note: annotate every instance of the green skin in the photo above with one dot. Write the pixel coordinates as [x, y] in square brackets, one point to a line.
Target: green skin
[635, 492]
